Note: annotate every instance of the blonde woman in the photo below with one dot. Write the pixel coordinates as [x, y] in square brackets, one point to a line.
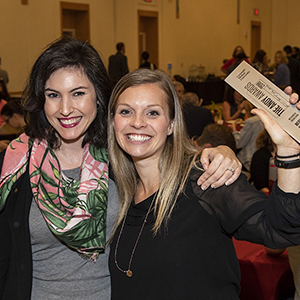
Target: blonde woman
[172, 239]
[282, 71]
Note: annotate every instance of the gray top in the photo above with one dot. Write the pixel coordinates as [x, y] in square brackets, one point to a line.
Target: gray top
[61, 273]
[246, 139]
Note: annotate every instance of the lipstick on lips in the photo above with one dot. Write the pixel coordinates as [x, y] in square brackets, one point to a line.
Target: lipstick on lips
[69, 122]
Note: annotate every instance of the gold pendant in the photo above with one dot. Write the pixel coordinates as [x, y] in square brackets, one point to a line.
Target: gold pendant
[129, 273]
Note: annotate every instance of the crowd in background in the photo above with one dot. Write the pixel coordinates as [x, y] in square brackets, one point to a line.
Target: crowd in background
[239, 128]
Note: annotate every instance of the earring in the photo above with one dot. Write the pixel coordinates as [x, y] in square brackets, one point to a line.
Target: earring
[97, 105]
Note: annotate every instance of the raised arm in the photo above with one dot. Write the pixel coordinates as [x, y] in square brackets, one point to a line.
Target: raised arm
[288, 151]
[287, 148]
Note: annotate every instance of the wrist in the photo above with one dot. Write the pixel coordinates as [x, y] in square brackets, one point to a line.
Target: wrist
[287, 161]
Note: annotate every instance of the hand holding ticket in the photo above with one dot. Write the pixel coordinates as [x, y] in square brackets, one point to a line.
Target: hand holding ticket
[265, 95]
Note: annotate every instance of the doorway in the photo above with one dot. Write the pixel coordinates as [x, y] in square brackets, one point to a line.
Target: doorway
[75, 20]
[255, 37]
[148, 35]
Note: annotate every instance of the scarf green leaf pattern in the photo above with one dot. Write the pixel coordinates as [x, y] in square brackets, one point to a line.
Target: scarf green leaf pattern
[74, 210]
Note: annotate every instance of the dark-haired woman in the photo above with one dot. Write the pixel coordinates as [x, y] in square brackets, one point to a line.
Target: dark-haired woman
[233, 59]
[54, 182]
[232, 106]
[261, 61]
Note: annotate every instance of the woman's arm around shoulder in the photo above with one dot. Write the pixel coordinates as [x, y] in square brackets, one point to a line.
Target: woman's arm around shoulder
[221, 167]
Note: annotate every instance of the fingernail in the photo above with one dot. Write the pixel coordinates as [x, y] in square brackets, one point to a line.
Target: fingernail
[199, 182]
[212, 186]
[203, 187]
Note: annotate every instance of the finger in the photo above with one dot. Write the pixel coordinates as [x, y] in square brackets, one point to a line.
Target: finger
[218, 174]
[205, 159]
[294, 98]
[288, 90]
[229, 176]
[234, 176]
[209, 176]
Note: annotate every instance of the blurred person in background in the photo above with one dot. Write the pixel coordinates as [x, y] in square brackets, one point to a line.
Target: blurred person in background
[261, 61]
[145, 63]
[179, 89]
[282, 75]
[246, 137]
[195, 116]
[214, 135]
[294, 66]
[3, 74]
[117, 64]
[296, 52]
[13, 114]
[232, 106]
[237, 50]
[261, 163]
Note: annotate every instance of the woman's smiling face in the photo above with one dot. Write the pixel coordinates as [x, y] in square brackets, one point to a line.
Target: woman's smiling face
[70, 103]
[141, 121]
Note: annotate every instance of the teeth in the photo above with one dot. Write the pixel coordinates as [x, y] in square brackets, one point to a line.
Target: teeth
[138, 138]
[70, 121]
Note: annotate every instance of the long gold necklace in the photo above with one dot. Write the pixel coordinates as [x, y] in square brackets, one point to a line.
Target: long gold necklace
[129, 272]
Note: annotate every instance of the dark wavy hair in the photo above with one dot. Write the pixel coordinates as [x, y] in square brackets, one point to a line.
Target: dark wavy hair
[259, 56]
[234, 50]
[229, 95]
[66, 52]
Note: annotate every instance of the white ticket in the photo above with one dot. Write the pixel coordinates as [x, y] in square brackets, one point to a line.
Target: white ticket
[264, 94]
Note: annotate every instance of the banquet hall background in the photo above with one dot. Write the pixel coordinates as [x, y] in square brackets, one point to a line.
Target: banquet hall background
[186, 33]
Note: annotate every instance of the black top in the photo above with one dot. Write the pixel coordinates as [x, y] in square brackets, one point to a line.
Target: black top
[15, 254]
[196, 118]
[259, 168]
[117, 66]
[147, 65]
[195, 258]
[294, 66]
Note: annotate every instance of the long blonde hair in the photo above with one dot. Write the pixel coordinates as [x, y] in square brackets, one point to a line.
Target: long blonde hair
[283, 58]
[175, 161]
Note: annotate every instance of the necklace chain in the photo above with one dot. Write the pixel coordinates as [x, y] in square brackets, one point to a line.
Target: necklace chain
[129, 272]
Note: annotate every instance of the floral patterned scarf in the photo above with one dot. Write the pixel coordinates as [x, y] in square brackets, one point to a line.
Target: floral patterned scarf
[75, 211]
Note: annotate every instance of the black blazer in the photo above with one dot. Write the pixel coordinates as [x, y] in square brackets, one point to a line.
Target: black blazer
[15, 250]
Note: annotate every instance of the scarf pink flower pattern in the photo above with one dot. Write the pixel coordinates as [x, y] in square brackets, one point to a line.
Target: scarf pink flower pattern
[75, 211]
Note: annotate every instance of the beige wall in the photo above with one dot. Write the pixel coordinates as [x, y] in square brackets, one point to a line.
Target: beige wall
[285, 24]
[27, 29]
[205, 33]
